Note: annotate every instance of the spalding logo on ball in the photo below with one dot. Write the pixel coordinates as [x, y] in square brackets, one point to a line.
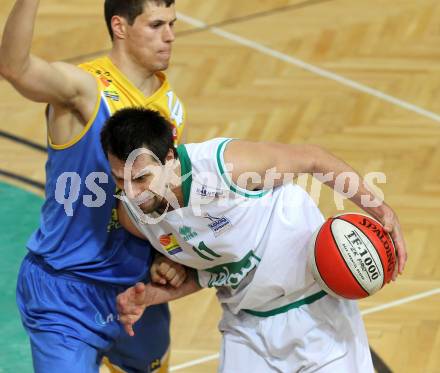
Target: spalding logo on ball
[351, 256]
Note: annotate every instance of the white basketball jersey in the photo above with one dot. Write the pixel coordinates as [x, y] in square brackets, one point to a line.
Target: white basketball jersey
[250, 245]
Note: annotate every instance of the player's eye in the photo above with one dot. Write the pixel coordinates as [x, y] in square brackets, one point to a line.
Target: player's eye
[156, 25]
[140, 179]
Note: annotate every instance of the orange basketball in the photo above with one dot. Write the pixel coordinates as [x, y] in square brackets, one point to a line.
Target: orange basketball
[351, 256]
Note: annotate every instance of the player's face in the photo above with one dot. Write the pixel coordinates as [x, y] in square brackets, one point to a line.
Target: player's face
[144, 179]
[149, 39]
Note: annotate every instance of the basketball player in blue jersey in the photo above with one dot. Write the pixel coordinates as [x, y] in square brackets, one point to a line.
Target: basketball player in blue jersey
[80, 258]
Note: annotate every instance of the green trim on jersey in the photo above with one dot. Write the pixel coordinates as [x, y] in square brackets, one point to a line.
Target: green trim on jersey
[231, 274]
[227, 179]
[197, 279]
[186, 172]
[308, 300]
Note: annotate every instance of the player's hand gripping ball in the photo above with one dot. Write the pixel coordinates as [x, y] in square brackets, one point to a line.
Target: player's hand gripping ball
[351, 256]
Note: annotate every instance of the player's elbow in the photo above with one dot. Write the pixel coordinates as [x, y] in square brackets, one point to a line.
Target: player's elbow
[10, 69]
[4, 68]
[311, 157]
[318, 158]
[6, 71]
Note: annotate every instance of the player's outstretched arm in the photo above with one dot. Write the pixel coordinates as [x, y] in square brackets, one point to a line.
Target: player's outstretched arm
[55, 83]
[132, 303]
[282, 159]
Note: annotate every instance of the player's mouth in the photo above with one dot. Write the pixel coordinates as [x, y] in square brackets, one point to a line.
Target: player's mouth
[165, 53]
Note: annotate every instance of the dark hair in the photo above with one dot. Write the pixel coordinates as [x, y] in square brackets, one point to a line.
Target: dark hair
[129, 9]
[134, 128]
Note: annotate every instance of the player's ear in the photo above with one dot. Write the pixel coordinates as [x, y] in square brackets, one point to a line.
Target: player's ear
[119, 27]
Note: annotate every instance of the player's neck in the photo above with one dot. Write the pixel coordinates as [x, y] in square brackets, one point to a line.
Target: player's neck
[144, 80]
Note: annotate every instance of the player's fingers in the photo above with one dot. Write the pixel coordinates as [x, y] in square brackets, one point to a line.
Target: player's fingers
[139, 293]
[394, 276]
[130, 300]
[163, 268]
[122, 302]
[178, 280]
[182, 273]
[129, 329]
[155, 276]
[158, 279]
[402, 255]
[389, 220]
[129, 294]
[388, 226]
[170, 274]
[178, 283]
[139, 288]
[121, 299]
[396, 266]
[153, 268]
[388, 223]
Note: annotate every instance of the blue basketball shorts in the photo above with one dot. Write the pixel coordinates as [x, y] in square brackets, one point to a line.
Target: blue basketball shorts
[72, 324]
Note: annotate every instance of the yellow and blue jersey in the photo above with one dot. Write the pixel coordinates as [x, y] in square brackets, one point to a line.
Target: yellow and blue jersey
[121, 93]
[79, 232]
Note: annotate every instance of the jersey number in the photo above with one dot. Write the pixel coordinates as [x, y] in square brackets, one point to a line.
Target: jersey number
[205, 252]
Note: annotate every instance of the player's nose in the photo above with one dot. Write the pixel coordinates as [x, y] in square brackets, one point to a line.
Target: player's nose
[168, 34]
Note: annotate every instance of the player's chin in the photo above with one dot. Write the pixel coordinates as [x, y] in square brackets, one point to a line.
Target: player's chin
[151, 205]
[147, 208]
[162, 63]
[163, 67]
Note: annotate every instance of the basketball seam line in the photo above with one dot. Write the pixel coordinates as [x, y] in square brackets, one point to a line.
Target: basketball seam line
[339, 252]
[380, 258]
[314, 256]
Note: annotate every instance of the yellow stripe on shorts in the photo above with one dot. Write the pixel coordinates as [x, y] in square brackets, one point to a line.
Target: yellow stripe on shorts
[161, 366]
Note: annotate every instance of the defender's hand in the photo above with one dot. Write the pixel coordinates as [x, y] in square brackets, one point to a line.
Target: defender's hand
[132, 302]
[131, 305]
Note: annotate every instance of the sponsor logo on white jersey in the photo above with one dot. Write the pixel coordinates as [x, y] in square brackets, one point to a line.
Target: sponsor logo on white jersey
[203, 191]
[169, 244]
[187, 233]
[231, 274]
[218, 225]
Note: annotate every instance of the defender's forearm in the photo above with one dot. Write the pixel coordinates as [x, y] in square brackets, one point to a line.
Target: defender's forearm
[164, 294]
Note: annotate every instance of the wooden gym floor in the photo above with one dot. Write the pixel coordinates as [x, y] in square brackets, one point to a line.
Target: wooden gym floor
[360, 77]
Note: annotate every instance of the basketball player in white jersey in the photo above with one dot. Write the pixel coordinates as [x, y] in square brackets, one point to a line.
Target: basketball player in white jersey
[244, 237]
